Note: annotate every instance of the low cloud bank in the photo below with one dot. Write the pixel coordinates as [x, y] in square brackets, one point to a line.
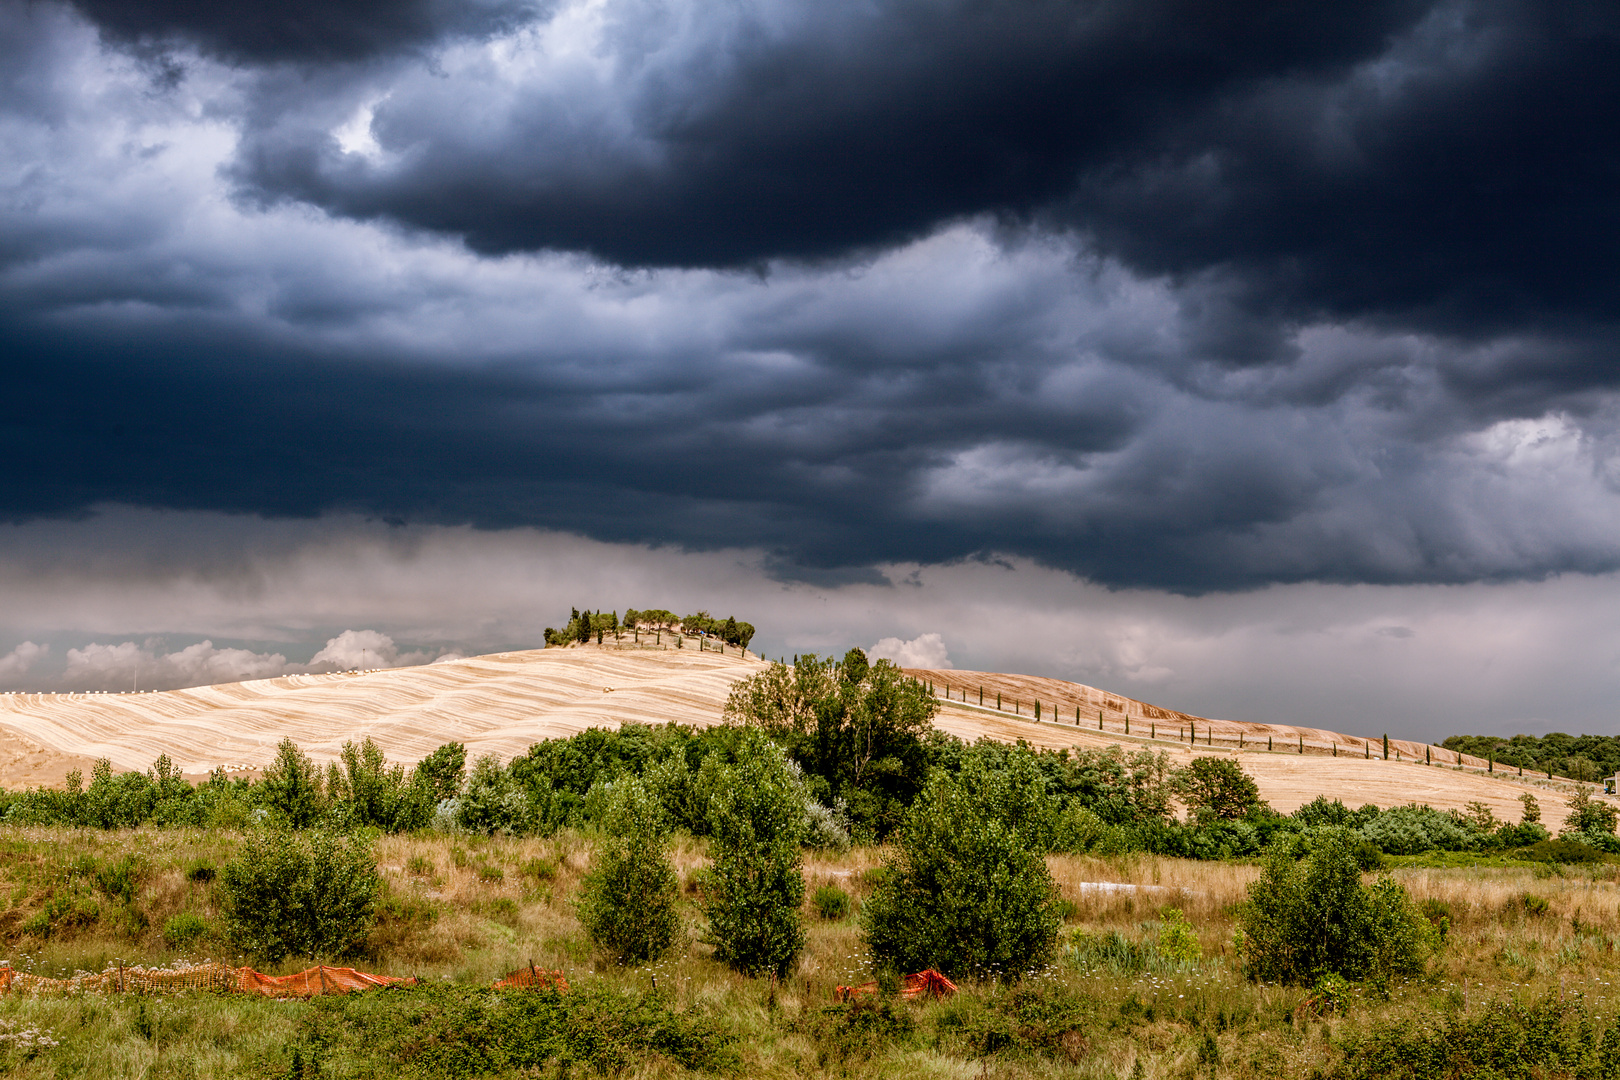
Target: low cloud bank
[130, 665]
[923, 651]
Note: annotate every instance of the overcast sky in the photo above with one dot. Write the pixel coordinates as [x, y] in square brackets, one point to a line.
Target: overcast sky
[1254, 358]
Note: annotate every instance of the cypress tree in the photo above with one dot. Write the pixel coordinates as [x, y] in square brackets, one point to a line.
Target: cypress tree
[1386, 746]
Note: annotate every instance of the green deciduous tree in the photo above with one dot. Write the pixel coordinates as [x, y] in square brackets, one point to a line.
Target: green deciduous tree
[856, 727]
[627, 902]
[755, 889]
[299, 894]
[1313, 916]
[291, 790]
[968, 891]
[1218, 787]
[1589, 815]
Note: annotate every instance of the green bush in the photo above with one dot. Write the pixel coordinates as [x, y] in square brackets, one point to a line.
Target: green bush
[1589, 815]
[462, 1032]
[1308, 918]
[1412, 830]
[831, 902]
[1505, 1040]
[119, 880]
[755, 888]
[1562, 850]
[968, 891]
[496, 802]
[1178, 940]
[308, 894]
[291, 789]
[627, 902]
[184, 929]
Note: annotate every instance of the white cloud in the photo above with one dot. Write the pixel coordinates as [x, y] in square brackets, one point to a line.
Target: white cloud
[20, 659]
[128, 665]
[366, 649]
[923, 651]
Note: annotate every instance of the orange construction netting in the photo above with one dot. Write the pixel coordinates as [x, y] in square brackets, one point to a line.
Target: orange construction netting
[539, 978]
[222, 978]
[315, 981]
[925, 983]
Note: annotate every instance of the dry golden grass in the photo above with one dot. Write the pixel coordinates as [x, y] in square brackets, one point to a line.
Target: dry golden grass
[495, 904]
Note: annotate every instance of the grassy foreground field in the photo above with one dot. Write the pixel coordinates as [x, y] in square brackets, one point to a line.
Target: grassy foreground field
[464, 910]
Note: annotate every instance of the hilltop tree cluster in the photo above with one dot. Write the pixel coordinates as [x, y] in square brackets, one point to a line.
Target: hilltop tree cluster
[586, 626]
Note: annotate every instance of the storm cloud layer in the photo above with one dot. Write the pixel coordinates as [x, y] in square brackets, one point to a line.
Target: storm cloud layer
[1176, 295]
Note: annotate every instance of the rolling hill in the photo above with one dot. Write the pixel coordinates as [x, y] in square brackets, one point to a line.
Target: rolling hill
[503, 702]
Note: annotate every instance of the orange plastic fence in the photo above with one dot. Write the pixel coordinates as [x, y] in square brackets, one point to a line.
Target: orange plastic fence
[316, 980]
[134, 980]
[244, 980]
[539, 978]
[925, 983]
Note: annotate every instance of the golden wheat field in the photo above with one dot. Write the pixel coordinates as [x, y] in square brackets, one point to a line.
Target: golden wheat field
[503, 702]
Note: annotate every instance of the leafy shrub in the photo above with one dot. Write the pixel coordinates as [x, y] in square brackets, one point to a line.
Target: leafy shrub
[1177, 938]
[1438, 914]
[1562, 850]
[119, 880]
[1412, 830]
[1534, 905]
[1589, 815]
[184, 929]
[1506, 1040]
[458, 1033]
[311, 894]
[442, 771]
[627, 902]
[291, 789]
[824, 830]
[831, 902]
[755, 887]
[968, 890]
[495, 802]
[1077, 829]
[1307, 918]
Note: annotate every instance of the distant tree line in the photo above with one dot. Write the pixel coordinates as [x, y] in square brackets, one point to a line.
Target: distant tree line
[1579, 757]
[585, 626]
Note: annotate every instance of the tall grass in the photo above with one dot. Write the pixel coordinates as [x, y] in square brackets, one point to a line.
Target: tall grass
[1125, 1012]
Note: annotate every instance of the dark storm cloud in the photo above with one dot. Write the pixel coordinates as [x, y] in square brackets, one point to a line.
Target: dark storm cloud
[300, 30]
[1444, 164]
[1186, 296]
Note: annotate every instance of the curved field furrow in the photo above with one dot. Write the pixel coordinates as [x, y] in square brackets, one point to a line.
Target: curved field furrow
[503, 703]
